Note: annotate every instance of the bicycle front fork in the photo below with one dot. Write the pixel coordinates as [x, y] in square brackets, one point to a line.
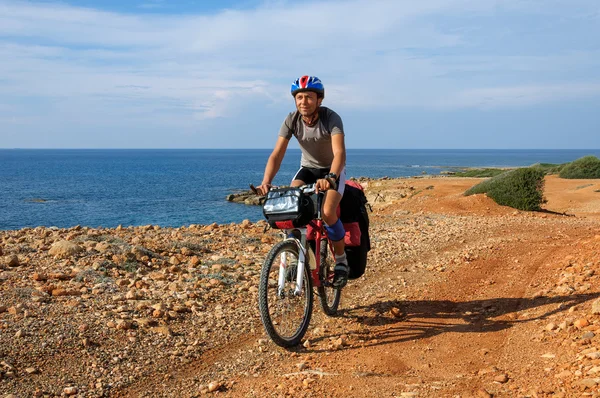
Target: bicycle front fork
[299, 236]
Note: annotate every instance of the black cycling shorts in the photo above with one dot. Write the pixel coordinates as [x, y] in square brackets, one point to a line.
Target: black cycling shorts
[310, 175]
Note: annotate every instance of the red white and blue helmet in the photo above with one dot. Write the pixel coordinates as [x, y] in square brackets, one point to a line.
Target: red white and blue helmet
[308, 83]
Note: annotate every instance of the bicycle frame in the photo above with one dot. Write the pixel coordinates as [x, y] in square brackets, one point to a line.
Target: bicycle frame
[300, 236]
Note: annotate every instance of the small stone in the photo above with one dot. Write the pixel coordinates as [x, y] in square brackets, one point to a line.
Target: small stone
[64, 249]
[20, 333]
[483, 393]
[593, 355]
[564, 374]
[551, 326]
[548, 356]
[70, 390]
[588, 335]
[214, 386]
[301, 366]
[397, 312]
[581, 323]
[124, 325]
[132, 295]
[13, 261]
[503, 378]
[587, 383]
[15, 310]
[596, 307]
[39, 277]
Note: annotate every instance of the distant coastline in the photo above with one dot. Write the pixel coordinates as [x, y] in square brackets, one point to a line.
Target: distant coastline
[173, 187]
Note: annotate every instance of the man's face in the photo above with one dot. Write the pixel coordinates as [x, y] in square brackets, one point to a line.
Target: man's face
[307, 103]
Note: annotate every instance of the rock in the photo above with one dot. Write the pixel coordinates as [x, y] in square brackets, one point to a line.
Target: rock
[13, 261]
[587, 383]
[70, 390]
[31, 371]
[581, 323]
[64, 292]
[124, 325]
[588, 335]
[64, 249]
[548, 356]
[102, 246]
[133, 295]
[20, 333]
[551, 326]
[564, 374]
[39, 277]
[397, 312]
[301, 366]
[502, 378]
[483, 393]
[596, 307]
[15, 310]
[214, 386]
[593, 355]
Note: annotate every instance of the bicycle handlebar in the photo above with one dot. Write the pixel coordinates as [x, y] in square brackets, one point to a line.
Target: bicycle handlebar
[306, 189]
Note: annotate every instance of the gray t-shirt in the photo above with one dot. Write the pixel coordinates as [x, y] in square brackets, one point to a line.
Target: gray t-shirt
[315, 142]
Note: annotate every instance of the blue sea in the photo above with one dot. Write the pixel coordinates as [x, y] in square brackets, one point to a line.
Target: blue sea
[106, 188]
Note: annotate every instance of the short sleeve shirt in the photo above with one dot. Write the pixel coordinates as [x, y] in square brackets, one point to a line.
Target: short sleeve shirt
[315, 141]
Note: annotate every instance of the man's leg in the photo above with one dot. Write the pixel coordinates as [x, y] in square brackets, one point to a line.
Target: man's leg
[336, 234]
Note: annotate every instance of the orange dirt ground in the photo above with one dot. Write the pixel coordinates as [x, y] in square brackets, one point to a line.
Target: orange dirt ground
[495, 308]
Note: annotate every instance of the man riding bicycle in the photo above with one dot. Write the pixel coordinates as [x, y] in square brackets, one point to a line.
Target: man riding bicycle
[320, 134]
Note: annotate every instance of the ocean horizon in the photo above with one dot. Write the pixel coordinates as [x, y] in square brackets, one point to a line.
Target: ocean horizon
[174, 187]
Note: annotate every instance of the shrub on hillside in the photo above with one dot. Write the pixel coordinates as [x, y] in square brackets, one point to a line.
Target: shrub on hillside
[521, 189]
[478, 173]
[549, 168]
[585, 167]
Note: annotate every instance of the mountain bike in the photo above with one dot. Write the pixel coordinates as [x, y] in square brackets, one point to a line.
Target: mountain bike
[303, 260]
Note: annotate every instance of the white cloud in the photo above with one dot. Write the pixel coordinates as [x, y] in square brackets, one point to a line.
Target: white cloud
[385, 53]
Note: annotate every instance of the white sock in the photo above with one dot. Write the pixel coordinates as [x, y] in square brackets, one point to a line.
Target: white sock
[341, 259]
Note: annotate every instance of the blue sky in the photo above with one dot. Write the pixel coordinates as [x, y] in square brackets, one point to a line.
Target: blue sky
[216, 74]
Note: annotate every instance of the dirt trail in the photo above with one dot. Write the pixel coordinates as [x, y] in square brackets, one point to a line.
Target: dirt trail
[466, 314]
[461, 298]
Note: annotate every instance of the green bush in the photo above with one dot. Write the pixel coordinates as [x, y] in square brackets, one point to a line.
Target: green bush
[478, 173]
[550, 168]
[521, 189]
[585, 167]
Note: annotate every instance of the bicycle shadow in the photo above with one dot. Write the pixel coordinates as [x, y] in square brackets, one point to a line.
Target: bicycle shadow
[396, 321]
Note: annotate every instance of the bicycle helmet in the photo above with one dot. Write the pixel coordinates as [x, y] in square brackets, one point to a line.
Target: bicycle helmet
[308, 83]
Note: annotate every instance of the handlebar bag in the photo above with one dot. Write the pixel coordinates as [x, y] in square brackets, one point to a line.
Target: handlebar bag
[288, 208]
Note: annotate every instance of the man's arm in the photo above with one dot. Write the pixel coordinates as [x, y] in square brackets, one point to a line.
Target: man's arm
[339, 154]
[339, 161]
[273, 165]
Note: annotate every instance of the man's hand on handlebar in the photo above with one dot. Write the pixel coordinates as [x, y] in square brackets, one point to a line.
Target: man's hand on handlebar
[261, 190]
[324, 184]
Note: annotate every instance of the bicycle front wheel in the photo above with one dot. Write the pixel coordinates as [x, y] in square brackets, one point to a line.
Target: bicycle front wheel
[285, 311]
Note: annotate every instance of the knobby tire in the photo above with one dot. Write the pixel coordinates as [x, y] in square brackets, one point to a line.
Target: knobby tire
[328, 296]
[275, 310]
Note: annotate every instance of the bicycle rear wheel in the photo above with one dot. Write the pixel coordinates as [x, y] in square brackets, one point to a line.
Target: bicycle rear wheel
[328, 295]
[285, 315]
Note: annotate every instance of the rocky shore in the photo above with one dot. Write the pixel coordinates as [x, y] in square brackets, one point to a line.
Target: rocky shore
[461, 298]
